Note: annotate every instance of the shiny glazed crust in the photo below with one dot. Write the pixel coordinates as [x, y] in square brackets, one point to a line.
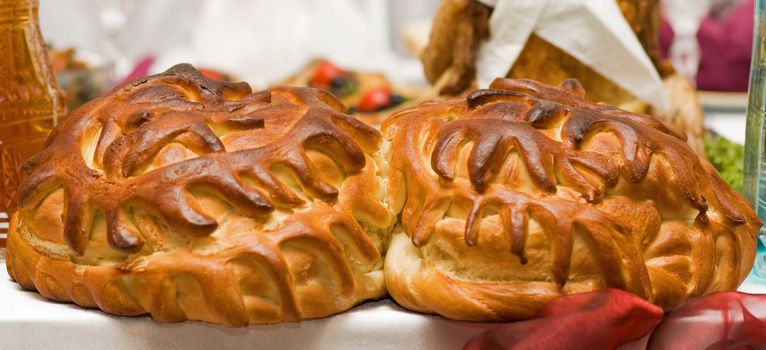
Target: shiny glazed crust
[188, 198]
[524, 192]
[460, 27]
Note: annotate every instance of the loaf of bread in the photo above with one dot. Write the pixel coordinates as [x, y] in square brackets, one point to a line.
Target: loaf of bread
[524, 192]
[189, 198]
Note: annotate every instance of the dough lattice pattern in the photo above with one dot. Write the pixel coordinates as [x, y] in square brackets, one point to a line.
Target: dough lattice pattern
[188, 198]
[524, 159]
[246, 207]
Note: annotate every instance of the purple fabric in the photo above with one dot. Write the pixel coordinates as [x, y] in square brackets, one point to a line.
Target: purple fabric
[726, 45]
[141, 69]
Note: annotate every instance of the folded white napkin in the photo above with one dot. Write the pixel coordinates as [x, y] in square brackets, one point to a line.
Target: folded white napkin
[593, 31]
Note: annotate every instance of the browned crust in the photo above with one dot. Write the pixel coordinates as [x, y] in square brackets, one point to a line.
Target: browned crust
[531, 169]
[167, 194]
[460, 25]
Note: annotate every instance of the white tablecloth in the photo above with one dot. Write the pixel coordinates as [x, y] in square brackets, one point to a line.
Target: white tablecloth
[28, 321]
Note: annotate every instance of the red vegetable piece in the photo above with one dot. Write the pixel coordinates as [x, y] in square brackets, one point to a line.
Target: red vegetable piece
[603, 319]
[374, 99]
[212, 74]
[324, 73]
[727, 320]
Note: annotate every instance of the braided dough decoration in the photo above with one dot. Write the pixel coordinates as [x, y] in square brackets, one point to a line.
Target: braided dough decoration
[461, 26]
[524, 192]
[188, 198]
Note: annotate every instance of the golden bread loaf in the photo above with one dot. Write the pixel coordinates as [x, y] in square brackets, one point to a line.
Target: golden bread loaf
[189, 198]
[524, 192]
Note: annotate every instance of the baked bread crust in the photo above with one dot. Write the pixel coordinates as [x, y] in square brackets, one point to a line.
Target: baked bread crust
[188, 198]
[460, 27]
[524, 192]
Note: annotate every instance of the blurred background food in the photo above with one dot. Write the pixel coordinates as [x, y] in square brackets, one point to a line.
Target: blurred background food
[726, 156]
[265, 42]
[367, 94]
[83, 75]
[262, 42]
[612, 47]
[372, 45]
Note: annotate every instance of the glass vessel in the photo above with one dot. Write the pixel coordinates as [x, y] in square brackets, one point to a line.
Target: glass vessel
[755, 149]
[685, 17]
[30, 101]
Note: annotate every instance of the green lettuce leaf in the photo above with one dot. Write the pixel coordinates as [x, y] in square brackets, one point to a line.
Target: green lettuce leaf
[728, 157]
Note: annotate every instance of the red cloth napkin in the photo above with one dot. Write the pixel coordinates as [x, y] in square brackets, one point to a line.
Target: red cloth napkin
[728, 320]
[604, 319]
[609, 318]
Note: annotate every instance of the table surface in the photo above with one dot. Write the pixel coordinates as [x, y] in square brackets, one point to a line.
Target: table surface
[28, 321]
